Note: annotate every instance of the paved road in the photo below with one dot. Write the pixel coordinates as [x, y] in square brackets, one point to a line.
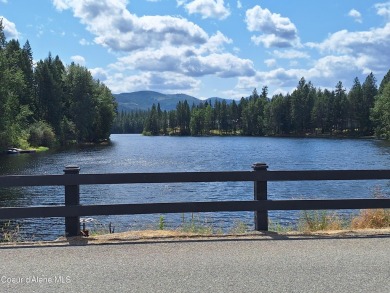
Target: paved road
[243, 265]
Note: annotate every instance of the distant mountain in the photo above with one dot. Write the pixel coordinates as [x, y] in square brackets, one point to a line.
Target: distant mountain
[144, 100]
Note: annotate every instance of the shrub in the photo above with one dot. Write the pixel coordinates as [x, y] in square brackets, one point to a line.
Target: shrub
[371, 218]
[41, 134]
[319, 220]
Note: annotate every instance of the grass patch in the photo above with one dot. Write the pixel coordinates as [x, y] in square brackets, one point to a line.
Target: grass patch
[196, 225]
[8, 233]
[371, 218]
[280, 228]
[41, 149]
[239, 227]
[310, 221]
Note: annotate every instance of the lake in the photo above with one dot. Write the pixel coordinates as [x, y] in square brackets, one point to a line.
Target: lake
[136, 153]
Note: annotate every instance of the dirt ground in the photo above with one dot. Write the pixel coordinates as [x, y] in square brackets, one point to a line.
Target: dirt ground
[173, 235]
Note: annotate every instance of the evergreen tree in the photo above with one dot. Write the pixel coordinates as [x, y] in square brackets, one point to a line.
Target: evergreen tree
[340, 108]
[3, 39]
[208, 116]
[385, 80]
[302, 101]
[320, 112]
[355, 99]
[13, 115]
[370, 90]
[183, 115]
[26, 65]
[381, 113]
[151, 124]
[50, 91]
[197, 121]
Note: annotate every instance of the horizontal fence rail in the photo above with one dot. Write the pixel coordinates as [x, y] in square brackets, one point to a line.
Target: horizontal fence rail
[174, 177]
[72, 210]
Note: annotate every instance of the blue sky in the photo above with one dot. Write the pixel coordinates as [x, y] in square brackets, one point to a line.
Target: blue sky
[208, 48]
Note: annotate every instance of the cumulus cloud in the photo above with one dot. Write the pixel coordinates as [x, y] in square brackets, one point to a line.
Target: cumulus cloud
[324, 73]
[356, 15]
[270, 62]
[157, 44]
[123, 31]
[99, 73]
[78, 59]
[10, 30]
[277, 31]
[187, 62]
[363, 46]
[84, 42]
[206, 8]
[383, 9]
[166, 82]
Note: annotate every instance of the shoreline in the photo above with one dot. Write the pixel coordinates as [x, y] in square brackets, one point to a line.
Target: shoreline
[146, 236]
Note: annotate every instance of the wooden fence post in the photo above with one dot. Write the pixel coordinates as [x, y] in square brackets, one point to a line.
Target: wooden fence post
[72, 198]
[260, 193]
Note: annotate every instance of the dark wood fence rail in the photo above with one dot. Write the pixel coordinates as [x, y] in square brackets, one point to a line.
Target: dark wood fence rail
[72, 210]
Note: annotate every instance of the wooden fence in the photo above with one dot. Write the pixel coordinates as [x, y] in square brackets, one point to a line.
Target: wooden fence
[72, 210]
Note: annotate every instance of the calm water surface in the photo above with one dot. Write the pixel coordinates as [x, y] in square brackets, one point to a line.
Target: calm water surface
[136, 153]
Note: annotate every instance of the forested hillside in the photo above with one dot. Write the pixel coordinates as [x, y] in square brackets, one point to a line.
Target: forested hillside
[48, 103]
[363, 111]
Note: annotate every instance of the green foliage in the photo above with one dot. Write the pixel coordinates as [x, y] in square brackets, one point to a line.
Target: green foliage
[41, 134]
[307, 111]
[130, 122]
[380, 114]
[50, 102]
[239, 227]
[319, 221]
[196, 225]
[161, 223]
[9, 233]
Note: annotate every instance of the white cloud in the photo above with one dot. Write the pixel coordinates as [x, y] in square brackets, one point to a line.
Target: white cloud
[277, 31]
[270, 62]
[99, 73]
[222, 65]
[167, 46]
[324, 73]
[78, 59]
[239, 4]
[214, 44]
[84, 42]
[187, 63]
[165, 82]
[383, 9]
[356, 15]
[207, 8]
[123, 31]
[368, 48]
[10, 30]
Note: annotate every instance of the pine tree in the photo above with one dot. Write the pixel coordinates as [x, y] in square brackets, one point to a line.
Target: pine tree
[381, 113]
[369, 91]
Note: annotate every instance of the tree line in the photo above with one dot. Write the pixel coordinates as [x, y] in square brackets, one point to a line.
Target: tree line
[363, 111]
[49, 103]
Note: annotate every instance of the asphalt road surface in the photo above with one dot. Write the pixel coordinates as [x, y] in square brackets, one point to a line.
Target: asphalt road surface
[224, 265]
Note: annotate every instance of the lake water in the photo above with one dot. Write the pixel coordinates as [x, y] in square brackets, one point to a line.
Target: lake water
[136, 153]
